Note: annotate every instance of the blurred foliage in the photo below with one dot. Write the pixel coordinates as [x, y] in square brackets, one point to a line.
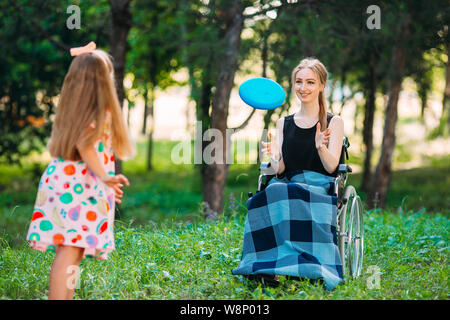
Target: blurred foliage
[169, 35]
[154, 43]
[33, 62]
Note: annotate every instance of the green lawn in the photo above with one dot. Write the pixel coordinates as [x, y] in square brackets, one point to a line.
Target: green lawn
[165, 250]
[194, 261]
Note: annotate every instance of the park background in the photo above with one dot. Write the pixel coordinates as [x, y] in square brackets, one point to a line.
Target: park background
[179, 229]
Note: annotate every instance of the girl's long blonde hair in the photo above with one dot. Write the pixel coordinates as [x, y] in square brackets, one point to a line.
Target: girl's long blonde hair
[320, 70]
[87, 93]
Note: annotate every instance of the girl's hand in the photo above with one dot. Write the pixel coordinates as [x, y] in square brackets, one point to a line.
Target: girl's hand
[322, 138]
[271, 148]
[116, 182]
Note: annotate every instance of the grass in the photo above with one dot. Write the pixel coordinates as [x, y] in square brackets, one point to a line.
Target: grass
[165, 250]
[194, 261]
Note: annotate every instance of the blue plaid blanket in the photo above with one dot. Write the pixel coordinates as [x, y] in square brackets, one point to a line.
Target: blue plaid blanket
[290, 230]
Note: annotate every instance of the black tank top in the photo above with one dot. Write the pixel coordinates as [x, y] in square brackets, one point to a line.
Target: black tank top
[299, 147]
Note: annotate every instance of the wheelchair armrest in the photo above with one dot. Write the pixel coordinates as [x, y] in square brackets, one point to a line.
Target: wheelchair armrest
[266, 173]
[344, 168]
[264, 165]
[266, 169]
[263, 181]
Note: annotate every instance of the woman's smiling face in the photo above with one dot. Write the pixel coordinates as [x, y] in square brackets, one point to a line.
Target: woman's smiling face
[307, 85]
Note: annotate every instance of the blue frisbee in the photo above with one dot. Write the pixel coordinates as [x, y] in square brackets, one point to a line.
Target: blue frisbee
[262, 93]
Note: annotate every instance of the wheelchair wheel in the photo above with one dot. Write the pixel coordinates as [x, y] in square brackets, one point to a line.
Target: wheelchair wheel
[351, 233]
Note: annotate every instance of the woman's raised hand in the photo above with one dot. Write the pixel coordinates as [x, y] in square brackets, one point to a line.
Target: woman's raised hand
[322, 138]
[271, 147]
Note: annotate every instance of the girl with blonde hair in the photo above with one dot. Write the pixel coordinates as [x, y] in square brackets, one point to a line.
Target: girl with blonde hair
[74, 210]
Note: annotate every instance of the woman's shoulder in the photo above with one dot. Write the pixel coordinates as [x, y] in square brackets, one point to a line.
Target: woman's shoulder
[335, 121]
[281, 121]
[286, 118]
[289, 117]
[334, 117]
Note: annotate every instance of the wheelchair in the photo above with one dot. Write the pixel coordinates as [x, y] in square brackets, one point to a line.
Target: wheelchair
[349, 228]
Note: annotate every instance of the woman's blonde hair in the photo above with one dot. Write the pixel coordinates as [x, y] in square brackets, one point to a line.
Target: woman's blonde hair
[322, 73]
[87, 93]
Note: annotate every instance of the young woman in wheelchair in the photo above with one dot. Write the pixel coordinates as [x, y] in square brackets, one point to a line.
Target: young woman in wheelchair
[290, 227]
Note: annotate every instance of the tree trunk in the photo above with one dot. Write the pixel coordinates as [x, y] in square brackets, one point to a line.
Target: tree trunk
[446, 99]
[423, 81]
[379, 188]
[264, 54]
[342, 85]
[152, 129]
[144, 121]
[200, 94]
[121, 21]
[369, 113]
[216, 173]
[268, 114]
[423, 103]
[203, 106]
[129, 114]
[330, 97]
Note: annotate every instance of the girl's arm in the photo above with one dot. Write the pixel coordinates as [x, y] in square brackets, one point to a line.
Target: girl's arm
[89, 156]
[330, 155]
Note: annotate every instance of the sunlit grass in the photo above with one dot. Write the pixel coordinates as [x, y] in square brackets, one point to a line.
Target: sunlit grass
[165, 249]
[194, 261]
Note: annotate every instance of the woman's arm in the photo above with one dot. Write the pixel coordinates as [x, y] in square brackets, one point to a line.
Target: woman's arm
[330, 156]
[273, 148]
[278, 166]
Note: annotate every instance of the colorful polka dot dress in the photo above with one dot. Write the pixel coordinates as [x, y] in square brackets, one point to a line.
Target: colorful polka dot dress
[74, 207]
